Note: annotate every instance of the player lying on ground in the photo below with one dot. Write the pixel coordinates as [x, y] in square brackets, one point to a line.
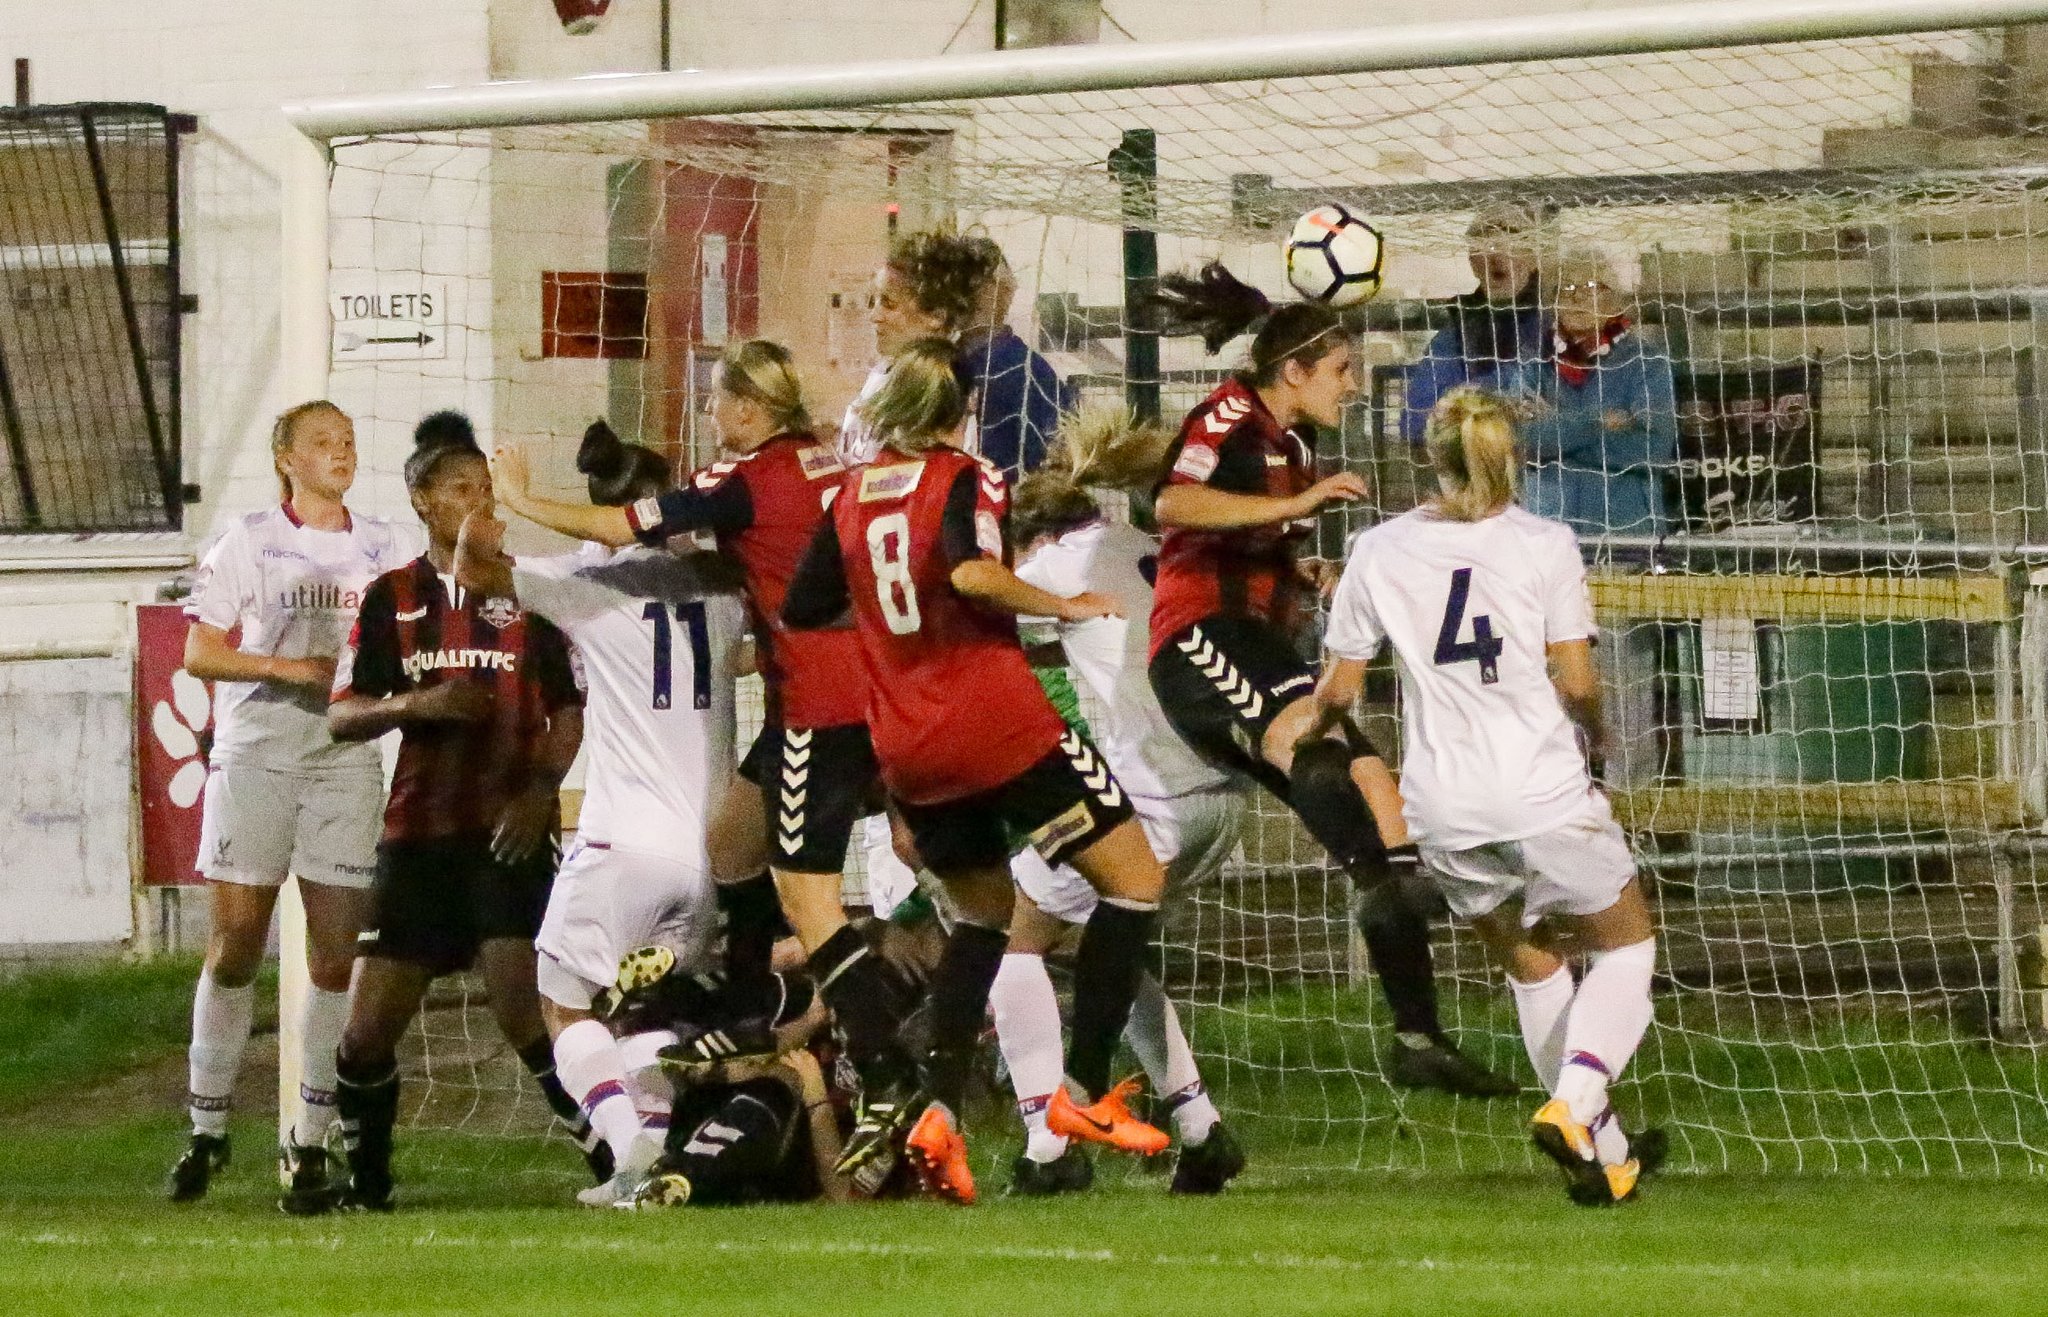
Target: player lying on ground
[743, 1130]
[489, 719]
[282, 796]
[812, 767]
[1191, 811]
[655, 633]
[1236, 503]
[1486, 605]
[970, 748]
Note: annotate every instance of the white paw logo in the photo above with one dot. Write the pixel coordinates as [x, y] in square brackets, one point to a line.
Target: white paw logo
[177, 723]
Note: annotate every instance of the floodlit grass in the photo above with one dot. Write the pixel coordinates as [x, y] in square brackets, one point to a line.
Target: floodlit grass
[487, 1224]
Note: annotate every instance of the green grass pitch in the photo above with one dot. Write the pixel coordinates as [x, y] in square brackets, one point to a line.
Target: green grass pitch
[488, 1227]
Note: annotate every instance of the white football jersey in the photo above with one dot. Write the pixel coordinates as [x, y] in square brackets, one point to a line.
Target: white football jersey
[655, 644]
[1143, 750]
[1488, 754]
[294, 592]
[859, 445]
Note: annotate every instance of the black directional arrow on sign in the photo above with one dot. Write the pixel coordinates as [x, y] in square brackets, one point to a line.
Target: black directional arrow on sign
[421, 339]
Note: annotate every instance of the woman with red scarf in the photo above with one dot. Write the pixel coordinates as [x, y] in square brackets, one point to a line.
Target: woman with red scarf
[1602, 428]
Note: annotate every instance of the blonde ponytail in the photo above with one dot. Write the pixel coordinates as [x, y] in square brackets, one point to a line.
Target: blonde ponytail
[763, 372]
[1095, 448]
[1471, 443]
[921, 401]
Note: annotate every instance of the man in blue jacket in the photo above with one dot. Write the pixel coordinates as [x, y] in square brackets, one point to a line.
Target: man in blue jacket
[1494, 327]
[1017, 397]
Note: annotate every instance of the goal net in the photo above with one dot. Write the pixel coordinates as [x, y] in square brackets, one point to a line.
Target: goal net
[1819, 631]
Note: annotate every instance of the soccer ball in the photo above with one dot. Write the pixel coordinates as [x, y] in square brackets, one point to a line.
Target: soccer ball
[1335, 257]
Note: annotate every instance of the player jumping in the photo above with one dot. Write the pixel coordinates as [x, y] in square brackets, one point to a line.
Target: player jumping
[1486, 606]
[971, 749]
[1237, 502]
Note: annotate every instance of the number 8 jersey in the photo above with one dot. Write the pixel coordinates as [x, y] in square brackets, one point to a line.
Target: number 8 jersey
[1488, 754]
[952, 705]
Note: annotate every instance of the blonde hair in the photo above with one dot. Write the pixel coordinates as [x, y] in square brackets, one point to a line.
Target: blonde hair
[1471, 443]
[765, 374]
[285, 430]
[948, 273]
[921, 400]
[1095, 448]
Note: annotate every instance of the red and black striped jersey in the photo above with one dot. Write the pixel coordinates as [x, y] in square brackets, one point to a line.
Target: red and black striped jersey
[952, 705]
[1231, 442]
[765, 508]
[416, 630]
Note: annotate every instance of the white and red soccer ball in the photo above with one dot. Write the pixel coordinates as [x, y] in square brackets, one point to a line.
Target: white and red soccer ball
[1335, 257]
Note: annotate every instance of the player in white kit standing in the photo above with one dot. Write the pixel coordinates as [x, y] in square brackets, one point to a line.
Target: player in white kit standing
[656, 633]
[1193, 812]
[282, 796]
[1487, 609]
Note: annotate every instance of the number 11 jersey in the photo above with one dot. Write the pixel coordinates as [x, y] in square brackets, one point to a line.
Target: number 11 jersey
[1488, 754]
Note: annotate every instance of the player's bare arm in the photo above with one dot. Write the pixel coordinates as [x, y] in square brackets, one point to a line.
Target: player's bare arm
[1335, 694]
[209, 657]
[1578, 687]
[992, 585]
[1204, 507]
[481, 563]
[367, 717]
[512, 481]
[529, 818]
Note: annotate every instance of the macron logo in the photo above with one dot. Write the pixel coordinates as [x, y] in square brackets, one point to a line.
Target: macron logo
[437, 660]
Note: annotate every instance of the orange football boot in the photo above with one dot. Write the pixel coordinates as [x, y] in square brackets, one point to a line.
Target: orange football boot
[1108, 1120]
[938, 1154]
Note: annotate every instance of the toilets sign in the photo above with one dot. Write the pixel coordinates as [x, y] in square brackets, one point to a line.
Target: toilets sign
[380, 317]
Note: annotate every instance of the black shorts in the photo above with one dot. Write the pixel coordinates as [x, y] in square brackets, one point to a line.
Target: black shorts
[1061, 805]
[1222, 682]
[817, 783]
[437, 901]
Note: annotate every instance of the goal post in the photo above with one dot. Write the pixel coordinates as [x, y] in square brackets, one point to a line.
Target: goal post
[1822, 662]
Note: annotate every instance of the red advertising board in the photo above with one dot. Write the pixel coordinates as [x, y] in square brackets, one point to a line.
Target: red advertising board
[173, 727]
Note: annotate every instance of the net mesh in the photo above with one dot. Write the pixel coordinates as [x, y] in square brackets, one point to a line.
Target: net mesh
[1818, 635]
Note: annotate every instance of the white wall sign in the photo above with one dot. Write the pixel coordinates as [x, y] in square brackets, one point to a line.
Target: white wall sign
[388, 317]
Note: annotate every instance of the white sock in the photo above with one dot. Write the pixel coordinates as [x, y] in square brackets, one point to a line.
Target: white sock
[1542, 1007]
[1028, 1030]
[1154, 1034]
[1609, 1015]
[220, 1033]
[320, 1024]
[588, 1062]
[1610, 1145]
[647, 1083]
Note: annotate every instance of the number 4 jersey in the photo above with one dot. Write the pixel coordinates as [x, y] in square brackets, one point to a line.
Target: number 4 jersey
[1488, 754]
[952, 705]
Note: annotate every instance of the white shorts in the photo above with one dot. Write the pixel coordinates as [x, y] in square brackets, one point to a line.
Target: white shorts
[606, 902]
[258, 824]
[1577, 869]
[1193, 835]
[891, 882]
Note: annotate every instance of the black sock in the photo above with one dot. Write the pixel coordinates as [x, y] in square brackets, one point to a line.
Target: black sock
[539, 1059]
[1106, 970]
[850, 980]
[753, 920]
[1329, 804]
[1396, 932]
[366, 1101]
[960, 988]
